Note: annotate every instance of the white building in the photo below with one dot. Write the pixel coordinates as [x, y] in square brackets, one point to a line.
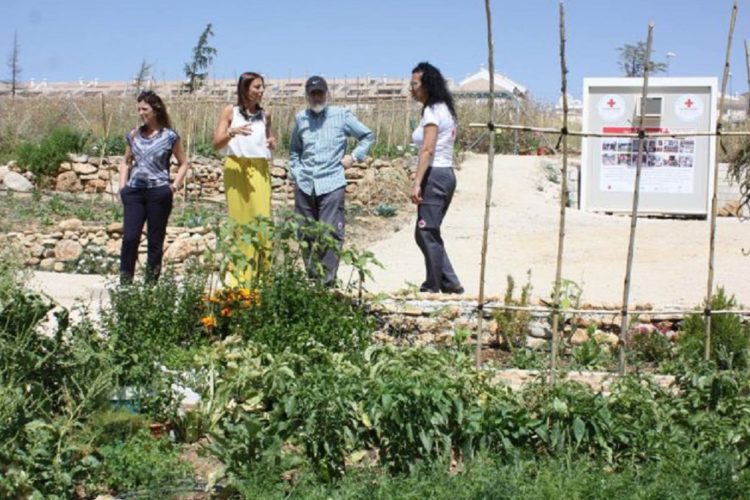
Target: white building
[478, 85]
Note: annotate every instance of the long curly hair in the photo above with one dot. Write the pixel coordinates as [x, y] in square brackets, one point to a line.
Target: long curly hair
[435, 86]
[160, 110]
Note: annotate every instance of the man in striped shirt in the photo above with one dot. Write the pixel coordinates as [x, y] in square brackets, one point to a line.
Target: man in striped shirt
[317, 161]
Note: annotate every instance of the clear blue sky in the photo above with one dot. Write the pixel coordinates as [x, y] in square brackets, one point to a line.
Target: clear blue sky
[69, 39]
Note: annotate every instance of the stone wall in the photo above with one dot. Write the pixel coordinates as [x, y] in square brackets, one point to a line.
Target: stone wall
[89, 174]
[76, 247]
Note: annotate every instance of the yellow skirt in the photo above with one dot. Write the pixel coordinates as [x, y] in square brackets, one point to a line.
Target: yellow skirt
[247, 185]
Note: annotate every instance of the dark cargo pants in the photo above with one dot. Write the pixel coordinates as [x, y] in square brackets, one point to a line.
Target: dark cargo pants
[438, 187]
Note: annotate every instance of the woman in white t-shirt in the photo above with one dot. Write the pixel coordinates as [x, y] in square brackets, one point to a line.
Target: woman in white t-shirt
[435, 180]
[244, 133]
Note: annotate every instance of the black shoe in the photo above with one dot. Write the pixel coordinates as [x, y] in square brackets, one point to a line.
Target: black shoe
[424, 289]
[458, 290]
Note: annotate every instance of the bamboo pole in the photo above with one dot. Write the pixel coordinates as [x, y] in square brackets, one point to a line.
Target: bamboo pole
[563, 201]
[714, 198]
[747, 65]
[574, 133]
[490, 168]
[636, 194]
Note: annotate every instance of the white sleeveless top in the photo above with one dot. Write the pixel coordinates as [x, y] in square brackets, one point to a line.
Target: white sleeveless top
[248, 146]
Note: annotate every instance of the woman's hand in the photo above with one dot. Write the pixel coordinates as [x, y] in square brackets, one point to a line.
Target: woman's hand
[246, 129]
[416, 194]
[271, 143]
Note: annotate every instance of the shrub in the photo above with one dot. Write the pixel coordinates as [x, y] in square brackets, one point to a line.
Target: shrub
[729, 336]
[44, 159]
[142, 462]
[145, 321]
[513, 325]
[650, 346]
[112, 145]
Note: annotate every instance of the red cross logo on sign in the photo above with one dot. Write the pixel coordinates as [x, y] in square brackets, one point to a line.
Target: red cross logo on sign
[611, 103]
[689, 103]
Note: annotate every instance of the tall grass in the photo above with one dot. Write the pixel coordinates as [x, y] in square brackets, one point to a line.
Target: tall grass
[392, 119]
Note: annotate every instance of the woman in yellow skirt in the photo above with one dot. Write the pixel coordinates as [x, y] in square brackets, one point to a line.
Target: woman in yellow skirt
[244, 133]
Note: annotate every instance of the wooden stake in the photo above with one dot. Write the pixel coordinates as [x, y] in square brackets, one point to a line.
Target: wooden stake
[563, 201]
[714, 198]
[747, 64]
[490, 168]
[634, 212]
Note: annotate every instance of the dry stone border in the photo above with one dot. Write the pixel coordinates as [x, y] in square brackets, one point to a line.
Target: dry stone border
[74, 246]
[90, 175]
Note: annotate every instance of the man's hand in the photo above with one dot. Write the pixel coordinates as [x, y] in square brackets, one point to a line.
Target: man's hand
[347, 161]
[416, 194]
[271, 143]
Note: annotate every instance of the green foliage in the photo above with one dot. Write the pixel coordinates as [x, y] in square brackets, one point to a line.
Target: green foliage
[142, 462]
[47, 209]
[204, 147]
[145, 321]
[384, 150]
[49, 381]
[44, 158]
[590, 355]
[111, 145]
[651, 347]
[196, 70]
[729, 336]
[513, 325]
[386, 210]
[632, 60]
[526, 359]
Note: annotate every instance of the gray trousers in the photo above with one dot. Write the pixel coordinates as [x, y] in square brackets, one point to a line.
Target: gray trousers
[328, 208]
[438, 187]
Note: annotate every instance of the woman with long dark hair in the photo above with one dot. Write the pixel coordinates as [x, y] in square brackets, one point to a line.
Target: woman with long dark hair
[244, 133]
[146, 190]
[435, 181]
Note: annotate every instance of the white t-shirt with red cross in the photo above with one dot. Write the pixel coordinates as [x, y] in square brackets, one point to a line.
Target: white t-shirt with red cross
[438, 114]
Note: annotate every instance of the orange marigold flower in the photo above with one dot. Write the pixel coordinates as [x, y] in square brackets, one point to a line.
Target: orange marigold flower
[225, 312]
[244, 293]
[208, 321]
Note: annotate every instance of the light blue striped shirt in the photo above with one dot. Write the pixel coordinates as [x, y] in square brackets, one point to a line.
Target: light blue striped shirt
[319, 143]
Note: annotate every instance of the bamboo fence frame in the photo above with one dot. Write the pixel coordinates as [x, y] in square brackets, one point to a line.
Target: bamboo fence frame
[714, 198]
[564, 134]
[490, 169]
[563, 203]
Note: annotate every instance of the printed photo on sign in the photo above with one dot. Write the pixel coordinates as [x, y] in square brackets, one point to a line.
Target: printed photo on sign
[687, 146]
[668, 163]
[686, 161]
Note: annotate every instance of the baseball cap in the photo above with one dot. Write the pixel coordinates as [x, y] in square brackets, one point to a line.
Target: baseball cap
[316, 83]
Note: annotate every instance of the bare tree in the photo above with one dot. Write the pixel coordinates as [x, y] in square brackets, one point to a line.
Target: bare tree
[143, 76]
[196, 70]
[633, 60]
[14, 65]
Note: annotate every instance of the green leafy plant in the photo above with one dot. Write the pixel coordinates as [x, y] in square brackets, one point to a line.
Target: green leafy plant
[44, 159]
[110, 145]
[650, 346]
[142, 462]
[386, 210]
[590, 355]
[729, 336]
[513, 325]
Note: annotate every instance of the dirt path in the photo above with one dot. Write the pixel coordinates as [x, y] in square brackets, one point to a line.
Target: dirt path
[670, 266]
